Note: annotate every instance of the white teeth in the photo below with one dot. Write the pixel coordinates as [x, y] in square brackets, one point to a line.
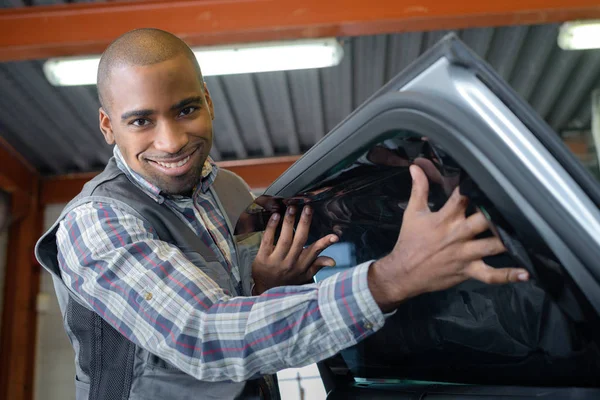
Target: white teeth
[174, 165]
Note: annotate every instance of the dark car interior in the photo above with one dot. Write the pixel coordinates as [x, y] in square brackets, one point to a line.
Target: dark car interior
[474, 333]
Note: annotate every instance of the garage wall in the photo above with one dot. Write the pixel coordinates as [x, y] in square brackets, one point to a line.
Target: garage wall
[55, 368]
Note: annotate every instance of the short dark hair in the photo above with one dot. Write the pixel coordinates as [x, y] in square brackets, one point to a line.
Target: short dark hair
[144, 46]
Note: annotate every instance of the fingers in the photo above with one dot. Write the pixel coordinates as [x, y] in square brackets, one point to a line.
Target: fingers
[266, 244]
[287, 233]
[309, 254]
[420, 191]
[317, 247]
[301, 234]
[477, 249]
[474, 225]
[497, 276]
[319, 264]
[290, 244]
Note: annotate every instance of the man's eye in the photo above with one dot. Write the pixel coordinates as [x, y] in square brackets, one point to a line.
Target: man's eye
[187, 111]
[140, 122]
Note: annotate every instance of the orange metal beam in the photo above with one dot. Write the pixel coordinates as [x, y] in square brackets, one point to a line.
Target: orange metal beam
[258, 173]
[61, 30]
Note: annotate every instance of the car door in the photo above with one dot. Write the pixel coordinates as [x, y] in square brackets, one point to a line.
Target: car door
[452, 115]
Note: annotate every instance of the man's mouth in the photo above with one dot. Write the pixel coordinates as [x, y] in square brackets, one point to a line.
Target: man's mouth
[174, 164]
[175, 167]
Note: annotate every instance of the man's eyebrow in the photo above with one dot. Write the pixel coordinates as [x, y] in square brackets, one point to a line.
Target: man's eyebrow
[185, 102]
[136, 113]
[146, 113]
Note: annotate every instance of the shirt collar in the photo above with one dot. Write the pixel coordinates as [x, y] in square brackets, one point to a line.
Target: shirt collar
[209, 173]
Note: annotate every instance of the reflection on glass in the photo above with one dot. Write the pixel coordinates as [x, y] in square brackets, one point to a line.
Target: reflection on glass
[343, 253]
[474, 333]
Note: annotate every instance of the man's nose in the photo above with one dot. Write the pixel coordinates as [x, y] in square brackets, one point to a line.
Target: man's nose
[170, 137]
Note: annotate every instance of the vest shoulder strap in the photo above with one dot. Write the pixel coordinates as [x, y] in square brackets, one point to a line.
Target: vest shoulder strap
[234, 195]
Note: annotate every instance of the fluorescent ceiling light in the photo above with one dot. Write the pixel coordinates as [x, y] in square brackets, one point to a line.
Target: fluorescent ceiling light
[222, 60]
[579, 35]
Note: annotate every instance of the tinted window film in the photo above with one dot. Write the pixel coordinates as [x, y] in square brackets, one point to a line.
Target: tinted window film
[518, 334]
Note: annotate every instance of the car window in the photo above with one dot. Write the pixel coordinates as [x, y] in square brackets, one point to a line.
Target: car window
[520, 334]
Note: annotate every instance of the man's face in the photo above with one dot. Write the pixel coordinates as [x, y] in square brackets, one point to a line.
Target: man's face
[160, 117]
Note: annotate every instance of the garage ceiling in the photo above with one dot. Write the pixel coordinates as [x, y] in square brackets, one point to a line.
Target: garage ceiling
[285, 113]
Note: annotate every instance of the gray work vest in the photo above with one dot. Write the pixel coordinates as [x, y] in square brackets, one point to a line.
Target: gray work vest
[108, 365]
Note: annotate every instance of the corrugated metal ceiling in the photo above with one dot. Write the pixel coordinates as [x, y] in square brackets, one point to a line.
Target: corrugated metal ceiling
[281, 113]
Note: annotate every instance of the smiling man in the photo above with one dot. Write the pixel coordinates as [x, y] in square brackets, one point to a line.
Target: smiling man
[168, 140]
[155, 301]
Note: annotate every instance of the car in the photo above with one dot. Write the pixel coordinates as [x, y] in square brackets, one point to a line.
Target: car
[451, 114]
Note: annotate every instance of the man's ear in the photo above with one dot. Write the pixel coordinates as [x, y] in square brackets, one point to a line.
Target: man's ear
[106, 127]
[211, 108]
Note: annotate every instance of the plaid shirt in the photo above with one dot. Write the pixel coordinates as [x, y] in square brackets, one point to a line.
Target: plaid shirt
[151, 293]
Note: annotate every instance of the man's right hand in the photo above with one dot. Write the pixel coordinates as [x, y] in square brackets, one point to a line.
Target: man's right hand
[436, 250]
[289, 262]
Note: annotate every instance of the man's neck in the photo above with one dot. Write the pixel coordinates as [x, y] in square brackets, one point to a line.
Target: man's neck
[205, 178]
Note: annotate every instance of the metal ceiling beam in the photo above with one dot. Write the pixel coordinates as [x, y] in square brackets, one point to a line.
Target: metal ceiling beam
[506, 46]
[59, 30]
[225, 122]
[538, 48]
[258, 173]
[586, 73]
[555, 77]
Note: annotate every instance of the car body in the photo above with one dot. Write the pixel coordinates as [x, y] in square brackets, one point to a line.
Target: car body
[451, 114]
